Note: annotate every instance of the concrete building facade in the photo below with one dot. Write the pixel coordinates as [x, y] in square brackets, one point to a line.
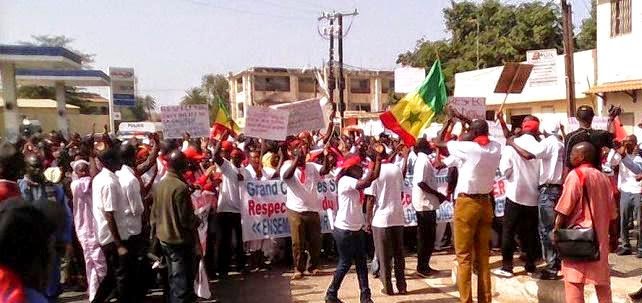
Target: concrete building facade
[543, 101]
[366, 91]
[619, 66]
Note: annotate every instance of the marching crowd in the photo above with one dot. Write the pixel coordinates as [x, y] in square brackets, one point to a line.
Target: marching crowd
[110, 214]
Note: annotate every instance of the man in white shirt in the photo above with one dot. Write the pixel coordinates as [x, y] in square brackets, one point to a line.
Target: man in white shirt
[522, 195]
[109, 210]
[550, 189]
[228, 215]
[303, 206]
[630, 190]
[477, 162]
[385, 214]
[131, 187]
[425, 200]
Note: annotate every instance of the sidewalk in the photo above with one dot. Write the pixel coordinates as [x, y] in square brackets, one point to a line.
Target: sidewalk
[625, 278]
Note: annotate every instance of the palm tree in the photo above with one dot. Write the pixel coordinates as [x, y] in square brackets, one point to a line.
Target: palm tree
[216, 89]
[194, 95]
[149, 103]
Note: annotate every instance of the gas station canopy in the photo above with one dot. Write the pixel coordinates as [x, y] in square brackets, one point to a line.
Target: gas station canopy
[22, 56]
[49, 77]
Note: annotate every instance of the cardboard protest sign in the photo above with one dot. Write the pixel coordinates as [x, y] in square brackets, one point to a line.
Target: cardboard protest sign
[266, 123]
[305, 115]
[193, 119]
[471, 107]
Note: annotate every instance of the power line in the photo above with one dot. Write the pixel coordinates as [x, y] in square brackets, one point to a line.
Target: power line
[243, 11]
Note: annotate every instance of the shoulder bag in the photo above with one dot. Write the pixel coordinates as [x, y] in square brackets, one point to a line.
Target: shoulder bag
[579, 243]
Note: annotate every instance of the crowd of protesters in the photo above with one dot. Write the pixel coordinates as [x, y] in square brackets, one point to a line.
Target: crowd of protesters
[107, 214]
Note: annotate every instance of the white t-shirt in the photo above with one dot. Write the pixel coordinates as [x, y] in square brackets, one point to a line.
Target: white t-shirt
[552, 163]
[229, 197]
[626, 181]
[424, 172]
[388, 209]
[107, 196]
[476, 164]
[520, 174]
[302, 197]
[134, 201]
[350, 211]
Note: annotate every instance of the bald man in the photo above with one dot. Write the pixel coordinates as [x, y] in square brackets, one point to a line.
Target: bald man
[175, 224]
[586, 201]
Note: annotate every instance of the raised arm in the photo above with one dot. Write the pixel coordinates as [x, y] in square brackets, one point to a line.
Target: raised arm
[372, 175]
[520, 151]
[502, 123]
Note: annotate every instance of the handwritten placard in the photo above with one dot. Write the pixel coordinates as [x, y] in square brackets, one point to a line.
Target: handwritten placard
[193, 119]
[266, 123]
[471, 107]
[305, 115]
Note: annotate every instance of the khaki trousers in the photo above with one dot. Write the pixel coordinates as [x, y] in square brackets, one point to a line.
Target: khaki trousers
[472, 231]
[305, 228]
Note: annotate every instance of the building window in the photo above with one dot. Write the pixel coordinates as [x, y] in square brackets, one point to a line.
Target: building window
[387, 85]
[240, 110]
[361, 107]
[308, 85]
[490, 115]
[360, 86]
[272, 83]
[239, 84]
[620, 17]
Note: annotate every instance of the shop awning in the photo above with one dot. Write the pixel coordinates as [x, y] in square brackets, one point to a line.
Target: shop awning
[611, 87]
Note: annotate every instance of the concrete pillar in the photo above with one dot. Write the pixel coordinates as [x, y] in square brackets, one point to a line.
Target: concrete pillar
[11, 123]
[376, 100]
[61, 102]
[294, 87]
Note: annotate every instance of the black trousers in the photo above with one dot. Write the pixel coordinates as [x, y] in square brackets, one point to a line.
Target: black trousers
[389, 249]
[522, 221]
[229, 223]
[117, 278]
[140, 269]
[426, 228]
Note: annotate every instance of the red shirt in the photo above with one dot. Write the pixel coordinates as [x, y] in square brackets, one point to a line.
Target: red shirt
[8, 189]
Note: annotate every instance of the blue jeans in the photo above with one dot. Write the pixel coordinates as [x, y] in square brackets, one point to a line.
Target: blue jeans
[548, 197]
[181, 269]
[351, 245]
[629, 205]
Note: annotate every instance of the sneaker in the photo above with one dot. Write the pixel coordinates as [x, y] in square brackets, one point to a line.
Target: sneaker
[623, 251]
[502, 273]
[546, 275]
[427, 273]
[297, 276]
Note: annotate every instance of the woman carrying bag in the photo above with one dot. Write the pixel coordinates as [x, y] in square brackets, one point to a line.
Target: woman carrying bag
[582, 227]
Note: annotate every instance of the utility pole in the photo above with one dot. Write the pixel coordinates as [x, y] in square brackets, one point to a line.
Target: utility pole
[567, 17]
[341, 106]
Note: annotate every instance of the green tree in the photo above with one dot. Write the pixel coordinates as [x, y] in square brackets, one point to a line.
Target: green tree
[194, 95]
[216, 89]
[506, 32]
[587, 37]
[141, 111]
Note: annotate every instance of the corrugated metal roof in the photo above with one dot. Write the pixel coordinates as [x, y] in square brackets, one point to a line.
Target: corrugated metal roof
[38, 103]
[612, 87]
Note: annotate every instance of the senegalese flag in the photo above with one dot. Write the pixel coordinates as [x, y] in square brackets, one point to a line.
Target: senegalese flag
[417, 109]
[223, 121]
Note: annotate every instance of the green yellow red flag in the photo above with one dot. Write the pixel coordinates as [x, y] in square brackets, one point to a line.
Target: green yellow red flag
[417, 109]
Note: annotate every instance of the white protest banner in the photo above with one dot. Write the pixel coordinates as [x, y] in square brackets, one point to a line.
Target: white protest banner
[407, 79]
[202, 202]
[193, 119]
[544, 67]
[305, 115]
[266, 123]
[598, 123]
[264, 214]
[471, 107]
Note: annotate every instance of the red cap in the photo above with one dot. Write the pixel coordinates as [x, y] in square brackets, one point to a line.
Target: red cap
[227, 146]
[192, 154]
[350, 161]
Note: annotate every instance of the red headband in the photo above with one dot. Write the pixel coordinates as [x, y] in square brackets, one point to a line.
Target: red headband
[530, 126]
[351, 161]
